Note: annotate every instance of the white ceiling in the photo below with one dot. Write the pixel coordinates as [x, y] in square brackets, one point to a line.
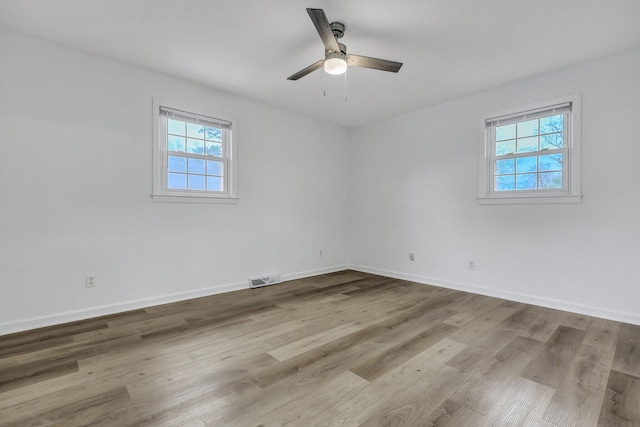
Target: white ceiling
[450, 48]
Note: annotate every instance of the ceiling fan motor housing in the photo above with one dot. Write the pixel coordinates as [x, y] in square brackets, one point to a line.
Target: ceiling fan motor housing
[341, 53]
[337, 28]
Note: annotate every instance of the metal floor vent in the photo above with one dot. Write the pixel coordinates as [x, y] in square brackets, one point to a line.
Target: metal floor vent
[271, 279]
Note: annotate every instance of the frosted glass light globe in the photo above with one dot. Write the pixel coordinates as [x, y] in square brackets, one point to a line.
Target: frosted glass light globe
[335, 66]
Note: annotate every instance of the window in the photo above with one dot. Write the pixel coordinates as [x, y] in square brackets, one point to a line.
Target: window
[532, 154]
[193, 156]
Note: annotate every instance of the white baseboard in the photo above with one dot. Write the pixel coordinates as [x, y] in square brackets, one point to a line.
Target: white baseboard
[604, 313]
[88, 313]
[316, 272]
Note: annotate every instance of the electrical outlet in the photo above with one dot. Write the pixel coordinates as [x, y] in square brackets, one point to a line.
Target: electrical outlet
[90, 281]
[320, 254]
[471, 265]
[411, 256]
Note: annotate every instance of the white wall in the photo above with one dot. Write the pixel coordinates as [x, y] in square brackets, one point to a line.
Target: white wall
[413, 188]
[75, 185]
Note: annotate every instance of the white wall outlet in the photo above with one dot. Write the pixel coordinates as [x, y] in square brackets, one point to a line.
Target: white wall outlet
[411, 256]
[320, 254]
[90, 281]
[471, 265]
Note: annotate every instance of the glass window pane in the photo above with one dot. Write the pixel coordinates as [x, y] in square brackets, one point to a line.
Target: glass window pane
[526, 145]
[214, 149]
[526, 181]
[550, 180]
[528, 128]
[505, 183]
[195, 146]
[551, 141]
[505, 132]
[177, 164]
[214, 183]
[214, 168]
[195, 131]
[505, 147]
[504, 167]
[526, 164]
[214, 134]
[176, 127]
[176, 181]
[196, 182]
[176, 143]
[551, 162]
[196, 166]
[552, 124]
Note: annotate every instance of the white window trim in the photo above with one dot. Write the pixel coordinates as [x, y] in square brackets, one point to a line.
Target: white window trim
[160, 192]
[573, 192]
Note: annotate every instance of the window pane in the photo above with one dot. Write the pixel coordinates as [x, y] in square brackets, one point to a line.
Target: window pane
[505, 183]
[505, 132]
[195, 146]
[552, 124]
[528, 128]
[526, 145]
[177, 164]
[176, 127]
[526, 164]
[176, 181]
[550, 180]
[195, 131]
[214, 134]
[196, 166]
[504, 167]
[214, 168]
[551, 162]
[176, 143]
[214, 183]
[551, 141]
[526, 155]
[526, 181]
[196, 182]
[505, 147]
[214, 149]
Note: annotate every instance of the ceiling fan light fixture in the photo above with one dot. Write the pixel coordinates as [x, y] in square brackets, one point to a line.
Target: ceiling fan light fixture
[335, 63]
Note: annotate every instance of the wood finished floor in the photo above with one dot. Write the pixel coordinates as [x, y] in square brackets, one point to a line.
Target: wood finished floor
[342, 349]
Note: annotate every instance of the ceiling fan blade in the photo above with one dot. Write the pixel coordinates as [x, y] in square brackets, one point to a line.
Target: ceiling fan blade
[374, 63]
[307, 70]
[322, 25]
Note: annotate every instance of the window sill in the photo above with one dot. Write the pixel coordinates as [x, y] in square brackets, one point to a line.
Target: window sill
[195, 198]
[528, 200]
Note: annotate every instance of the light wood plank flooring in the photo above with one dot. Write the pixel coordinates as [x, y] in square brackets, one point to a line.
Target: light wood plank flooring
[342, 349]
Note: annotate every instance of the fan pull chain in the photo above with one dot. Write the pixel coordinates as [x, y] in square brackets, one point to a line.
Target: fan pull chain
[345, 86]
[324, 84]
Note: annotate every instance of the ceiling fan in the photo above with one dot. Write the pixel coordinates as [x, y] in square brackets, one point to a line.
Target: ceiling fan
[335, 54]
